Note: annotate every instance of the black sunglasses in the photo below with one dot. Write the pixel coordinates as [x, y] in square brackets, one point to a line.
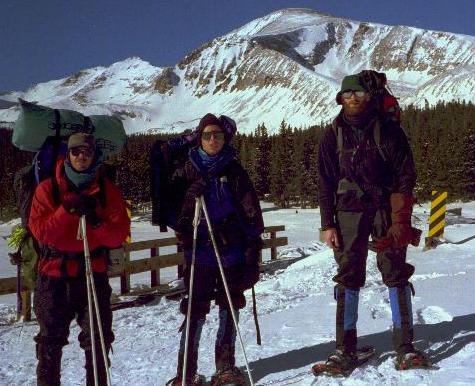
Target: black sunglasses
[206, 135]
[75, 151]
[358, 94]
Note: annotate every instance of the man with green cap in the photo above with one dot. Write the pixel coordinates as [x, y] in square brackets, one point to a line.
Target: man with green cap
[366, 180]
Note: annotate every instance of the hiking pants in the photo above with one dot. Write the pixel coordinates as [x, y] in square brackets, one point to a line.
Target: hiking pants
[208, 286]
[354, 230]
[57, 302]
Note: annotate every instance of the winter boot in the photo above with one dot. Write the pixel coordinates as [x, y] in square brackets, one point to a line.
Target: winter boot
[346, 318]
[340, 363]
[401, 309]
[225, 345]
[196, 326]
[48, 370]
[412, 360]
[196, 380]
[228, 377]
[101, 369]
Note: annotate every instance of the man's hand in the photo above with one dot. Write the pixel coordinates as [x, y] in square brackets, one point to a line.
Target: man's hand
[330, 237]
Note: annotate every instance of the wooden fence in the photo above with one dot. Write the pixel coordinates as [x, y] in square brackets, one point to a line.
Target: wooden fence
[123, 266]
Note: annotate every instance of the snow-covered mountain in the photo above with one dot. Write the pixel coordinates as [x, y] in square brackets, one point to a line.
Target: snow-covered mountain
[286, 65]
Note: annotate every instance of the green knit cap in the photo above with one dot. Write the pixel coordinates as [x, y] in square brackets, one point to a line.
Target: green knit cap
[350, 82]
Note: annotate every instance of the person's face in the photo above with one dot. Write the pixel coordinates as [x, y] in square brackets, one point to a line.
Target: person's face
[81, 157]
[212, 139]
[354, 102]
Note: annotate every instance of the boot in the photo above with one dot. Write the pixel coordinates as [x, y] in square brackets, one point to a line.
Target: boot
[228, 377]
[346, 318]
[225, 345]
[196, 380]
[48, 370]
[401, 309]
[101, 369]
[412, 360]
[338, 363]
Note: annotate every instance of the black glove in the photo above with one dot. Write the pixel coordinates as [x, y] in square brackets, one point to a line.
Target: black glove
[197, 188]
[251, 271]
[81, 205]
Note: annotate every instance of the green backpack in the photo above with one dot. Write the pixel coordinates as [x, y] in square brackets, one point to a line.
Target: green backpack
[36, 123]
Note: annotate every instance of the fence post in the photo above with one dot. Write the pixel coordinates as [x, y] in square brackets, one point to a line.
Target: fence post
[125, 276]
[154, 272]
[273, 248]
[180, 267]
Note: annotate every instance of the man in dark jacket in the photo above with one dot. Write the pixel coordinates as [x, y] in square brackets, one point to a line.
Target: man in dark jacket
[77, 189]
[213, 172]
[367, 177]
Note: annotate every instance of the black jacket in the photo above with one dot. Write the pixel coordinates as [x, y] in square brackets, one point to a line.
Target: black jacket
[244, 197]
[361, 162]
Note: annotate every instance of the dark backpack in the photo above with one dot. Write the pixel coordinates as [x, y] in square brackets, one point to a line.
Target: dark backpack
[377, 85]
[167, 193]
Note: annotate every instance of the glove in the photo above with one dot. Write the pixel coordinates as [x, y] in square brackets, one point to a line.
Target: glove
[400, 233]
[81, 204]
[250, 274]
[197, 188]
[84, 205]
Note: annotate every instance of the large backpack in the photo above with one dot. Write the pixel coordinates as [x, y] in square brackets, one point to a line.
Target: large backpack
[25, 182]
[167, 193]
[45, 131]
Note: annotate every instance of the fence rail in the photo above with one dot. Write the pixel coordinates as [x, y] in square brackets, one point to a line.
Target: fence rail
[123, 266]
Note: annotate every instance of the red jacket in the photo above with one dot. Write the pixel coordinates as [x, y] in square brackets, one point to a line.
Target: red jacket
[53, 226]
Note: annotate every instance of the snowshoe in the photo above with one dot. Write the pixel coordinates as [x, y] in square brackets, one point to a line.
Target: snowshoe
[412, 360]
[196, 380]
[341, 364]
[228, 377]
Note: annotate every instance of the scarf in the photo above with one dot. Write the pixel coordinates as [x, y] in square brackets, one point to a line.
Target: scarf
[81, 180]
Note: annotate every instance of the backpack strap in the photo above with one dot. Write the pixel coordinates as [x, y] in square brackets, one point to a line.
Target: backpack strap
[377, 138]
[339, 140]
[57, 142]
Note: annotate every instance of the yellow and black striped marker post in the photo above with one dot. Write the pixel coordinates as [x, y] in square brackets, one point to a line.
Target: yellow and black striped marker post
[437, 218]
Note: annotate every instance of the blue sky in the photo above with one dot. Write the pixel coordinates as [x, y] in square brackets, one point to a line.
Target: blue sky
[50, 39]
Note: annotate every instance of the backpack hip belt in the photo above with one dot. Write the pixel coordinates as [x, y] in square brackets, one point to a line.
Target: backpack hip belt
[52, 253]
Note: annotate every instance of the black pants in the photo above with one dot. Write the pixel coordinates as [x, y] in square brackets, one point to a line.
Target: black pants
[354, 230]
[208, 286]
[57, 302]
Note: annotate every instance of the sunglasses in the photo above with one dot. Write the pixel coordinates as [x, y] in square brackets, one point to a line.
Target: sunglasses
[218, 135]
[358, 94]
[75, 151]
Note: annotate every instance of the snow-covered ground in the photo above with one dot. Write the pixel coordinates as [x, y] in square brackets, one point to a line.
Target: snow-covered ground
[296, 312]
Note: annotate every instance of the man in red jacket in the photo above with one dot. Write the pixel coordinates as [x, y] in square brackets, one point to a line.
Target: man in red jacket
[78, 188]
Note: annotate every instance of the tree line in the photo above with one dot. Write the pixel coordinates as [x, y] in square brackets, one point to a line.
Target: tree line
[283, 166]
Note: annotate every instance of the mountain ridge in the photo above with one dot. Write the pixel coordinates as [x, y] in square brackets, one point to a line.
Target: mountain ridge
[286, 65]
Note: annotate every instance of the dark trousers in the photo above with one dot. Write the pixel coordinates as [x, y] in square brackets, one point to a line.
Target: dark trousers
[208, 286]
[57, 302]
[354, 230]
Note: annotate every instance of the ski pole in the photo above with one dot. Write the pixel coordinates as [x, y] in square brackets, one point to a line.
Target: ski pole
[92, 298]
[196, 221]
[226, 288]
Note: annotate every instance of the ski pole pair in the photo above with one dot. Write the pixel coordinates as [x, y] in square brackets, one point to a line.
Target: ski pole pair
[92, 296]
[200, 205]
